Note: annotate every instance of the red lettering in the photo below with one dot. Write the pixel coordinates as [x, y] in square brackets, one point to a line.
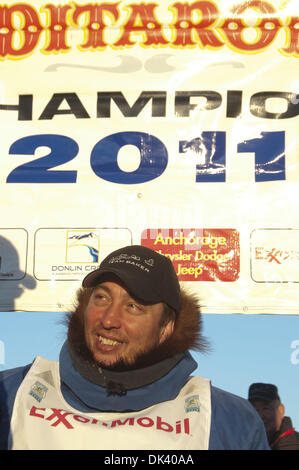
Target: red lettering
[178, 427]
[61, 418]
[199, 22]
[119, 422]
[293, 35]
[145, 422]
[81, 419]
[163, 425]
[56, 35]
[186, 426]
[142, 20]
[33, 412]
[267, 28]
[28, 34]
[95, 25]
[184, 25]
[259, 253]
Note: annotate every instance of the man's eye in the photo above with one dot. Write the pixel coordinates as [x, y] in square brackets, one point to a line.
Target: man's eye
[134, 307]
[100, 297]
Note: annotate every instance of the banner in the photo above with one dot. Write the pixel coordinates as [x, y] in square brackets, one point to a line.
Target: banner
[170, 124]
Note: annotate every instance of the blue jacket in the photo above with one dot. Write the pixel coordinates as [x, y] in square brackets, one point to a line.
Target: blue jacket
[235, 425]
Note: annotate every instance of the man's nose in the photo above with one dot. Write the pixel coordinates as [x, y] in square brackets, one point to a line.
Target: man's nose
[112, 316]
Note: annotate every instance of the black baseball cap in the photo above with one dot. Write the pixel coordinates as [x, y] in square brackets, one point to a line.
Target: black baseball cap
[262, 391]
[149, 276]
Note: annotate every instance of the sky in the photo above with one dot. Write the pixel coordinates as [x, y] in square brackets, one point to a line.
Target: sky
[243, 349]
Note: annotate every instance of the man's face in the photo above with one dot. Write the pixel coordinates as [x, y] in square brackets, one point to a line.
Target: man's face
[271, 412]
[119, 328]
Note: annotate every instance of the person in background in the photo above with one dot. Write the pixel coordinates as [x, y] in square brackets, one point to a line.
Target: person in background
[124, 379]
[280, 432]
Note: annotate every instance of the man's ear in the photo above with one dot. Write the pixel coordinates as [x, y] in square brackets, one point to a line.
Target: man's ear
[281, 410]
[166, 330]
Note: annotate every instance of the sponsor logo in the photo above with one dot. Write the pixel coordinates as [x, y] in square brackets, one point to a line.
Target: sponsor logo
[38, 391]
[274, 255]
[13, 254]
[71, 253]
[56, 417]
[82, 247]
[192, 403]
[198, 254]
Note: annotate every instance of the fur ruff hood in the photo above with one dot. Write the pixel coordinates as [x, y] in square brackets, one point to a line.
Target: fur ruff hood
[187, 334]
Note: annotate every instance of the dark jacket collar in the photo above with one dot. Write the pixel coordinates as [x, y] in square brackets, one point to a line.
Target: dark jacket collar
[141, 388]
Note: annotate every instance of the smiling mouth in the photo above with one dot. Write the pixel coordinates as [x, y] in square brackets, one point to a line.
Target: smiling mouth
[107, 341]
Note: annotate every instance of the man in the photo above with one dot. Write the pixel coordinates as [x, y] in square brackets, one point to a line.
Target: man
[280, 432]
[123, 379]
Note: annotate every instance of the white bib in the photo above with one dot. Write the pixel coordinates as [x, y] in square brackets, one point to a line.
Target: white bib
[42, 419]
